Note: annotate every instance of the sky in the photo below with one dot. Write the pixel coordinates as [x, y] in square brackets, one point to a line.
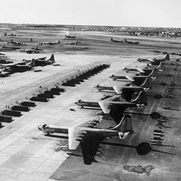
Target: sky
[144, 13]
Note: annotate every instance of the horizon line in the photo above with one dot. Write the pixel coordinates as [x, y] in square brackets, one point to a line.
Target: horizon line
[89, 25]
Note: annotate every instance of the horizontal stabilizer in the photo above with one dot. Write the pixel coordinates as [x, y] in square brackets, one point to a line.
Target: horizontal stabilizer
[125, 126]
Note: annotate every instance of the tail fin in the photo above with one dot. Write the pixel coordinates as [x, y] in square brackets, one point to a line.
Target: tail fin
[125, 126]
[52, 59]
[153, 73]
[167, 57]
[32, 63]
[147, 83]
[141, 99]
[160, 67]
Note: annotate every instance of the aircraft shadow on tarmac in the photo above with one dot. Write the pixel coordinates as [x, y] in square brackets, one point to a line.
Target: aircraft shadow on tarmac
[154, 115]
[159, 96]
[142, 149]
[91, 108]
[169, 108]
[58, 136]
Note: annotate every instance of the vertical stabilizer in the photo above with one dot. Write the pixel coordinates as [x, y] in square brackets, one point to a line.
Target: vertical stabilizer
[52, 58]
[167, 57]
[155, 72]
[141, 99]
[125, 127]
[32, 63]
[160, 67]
[147, 83]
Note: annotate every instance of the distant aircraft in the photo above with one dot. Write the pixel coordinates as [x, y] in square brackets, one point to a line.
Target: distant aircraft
[131, 42]
[17, 67]
[74, 43]
[43, 62]
[132, 77]
[119, 88]
[116, 41]
[50, 43]
[3, 59]
[127, 95]
[146, 85]
[139, 69]
[139, 100]
[68, 36]
[89, 136]
[83, 104]
[17, 43]
[155, 61]
[145, 71]
[148, 71]
[116, 109]
[34, 50]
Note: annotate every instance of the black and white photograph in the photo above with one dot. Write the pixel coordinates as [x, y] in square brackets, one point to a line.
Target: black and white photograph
[90, 90]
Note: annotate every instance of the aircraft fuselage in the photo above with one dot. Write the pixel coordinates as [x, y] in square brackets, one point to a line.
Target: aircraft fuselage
[100, 88]
[87, 104]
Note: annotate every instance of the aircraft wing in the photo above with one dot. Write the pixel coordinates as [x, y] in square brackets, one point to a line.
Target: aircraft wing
[77, 133]
[90, 147]
[151, 60]
[115, 110]
[119, 89]
[73, 136]
[140, 70]
[113, 98]
[105, 106]
[130, 77]
[89, 142]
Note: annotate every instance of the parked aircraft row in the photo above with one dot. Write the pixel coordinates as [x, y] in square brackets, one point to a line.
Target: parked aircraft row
[88, 135]
[164, 52]
[24, 65]
[58, 41]
[69, 36]
[125, 41]
[4, 59]
[33, 50]
[50, 43]
[15, 43]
